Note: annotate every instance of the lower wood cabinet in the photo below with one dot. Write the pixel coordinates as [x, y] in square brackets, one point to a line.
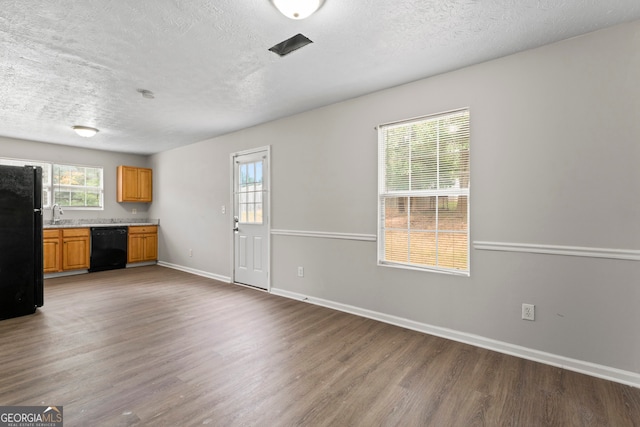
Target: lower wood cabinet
[66, 249]
[143, 243]
[52, 254]
[76, 248]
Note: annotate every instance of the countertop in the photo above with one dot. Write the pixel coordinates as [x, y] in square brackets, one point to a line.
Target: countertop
[101, 222]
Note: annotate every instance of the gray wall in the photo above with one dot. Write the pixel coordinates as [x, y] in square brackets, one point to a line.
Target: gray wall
[555, 157]
[31, 150]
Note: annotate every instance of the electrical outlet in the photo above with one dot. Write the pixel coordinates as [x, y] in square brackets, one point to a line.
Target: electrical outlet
[224, 209]
[300, 271]
[190, 252]
[134, 211]
[528, 312]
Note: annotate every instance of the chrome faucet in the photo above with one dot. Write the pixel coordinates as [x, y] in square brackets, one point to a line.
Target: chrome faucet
[55, 218]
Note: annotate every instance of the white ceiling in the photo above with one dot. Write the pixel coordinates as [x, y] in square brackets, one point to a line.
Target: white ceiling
[70, 62]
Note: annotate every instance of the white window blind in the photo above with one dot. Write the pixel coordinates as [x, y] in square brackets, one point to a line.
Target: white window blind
[423, 191]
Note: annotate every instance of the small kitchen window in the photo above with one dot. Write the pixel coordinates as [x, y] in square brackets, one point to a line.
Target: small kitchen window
[77, 186]
[70, 186]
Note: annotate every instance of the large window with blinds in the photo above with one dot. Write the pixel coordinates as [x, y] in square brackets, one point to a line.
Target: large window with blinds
[423, 193]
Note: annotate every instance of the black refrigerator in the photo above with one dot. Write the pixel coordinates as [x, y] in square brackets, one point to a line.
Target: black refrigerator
[21, 271]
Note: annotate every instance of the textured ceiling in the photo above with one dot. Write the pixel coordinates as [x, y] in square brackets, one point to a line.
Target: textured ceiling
[70, 62]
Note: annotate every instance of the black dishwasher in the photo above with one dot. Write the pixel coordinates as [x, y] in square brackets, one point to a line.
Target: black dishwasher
[108, 248]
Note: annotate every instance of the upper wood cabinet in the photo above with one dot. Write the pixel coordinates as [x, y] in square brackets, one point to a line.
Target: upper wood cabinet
[134, 184]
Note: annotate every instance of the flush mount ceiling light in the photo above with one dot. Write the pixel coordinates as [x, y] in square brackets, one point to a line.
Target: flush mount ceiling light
[297, 9]
[85, 131]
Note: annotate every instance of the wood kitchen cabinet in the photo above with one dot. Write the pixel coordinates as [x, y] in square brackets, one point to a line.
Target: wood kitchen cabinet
[76, 248]
[51, 243]
[143, 243]
[65, 249]
[134, 184]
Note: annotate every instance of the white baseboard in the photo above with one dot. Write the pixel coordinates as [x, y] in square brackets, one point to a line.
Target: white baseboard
[141, 264]
[588, 368]
[64, 273]
[217, 277]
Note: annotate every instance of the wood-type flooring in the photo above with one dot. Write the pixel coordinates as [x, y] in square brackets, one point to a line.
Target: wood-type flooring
[152, 346]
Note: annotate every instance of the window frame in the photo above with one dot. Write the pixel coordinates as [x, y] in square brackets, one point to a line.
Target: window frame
[49, 188]
[251, 192]
[385, 194]
[81, 188]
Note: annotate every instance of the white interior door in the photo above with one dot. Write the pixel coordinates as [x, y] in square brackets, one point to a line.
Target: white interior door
[251, 219]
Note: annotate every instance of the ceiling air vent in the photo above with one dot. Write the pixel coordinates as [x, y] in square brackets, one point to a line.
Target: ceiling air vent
[289, 45]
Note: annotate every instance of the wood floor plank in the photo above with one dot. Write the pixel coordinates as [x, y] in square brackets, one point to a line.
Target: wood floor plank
[151, 346]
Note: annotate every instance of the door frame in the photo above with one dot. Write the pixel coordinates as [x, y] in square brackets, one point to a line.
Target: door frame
[267, 150]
